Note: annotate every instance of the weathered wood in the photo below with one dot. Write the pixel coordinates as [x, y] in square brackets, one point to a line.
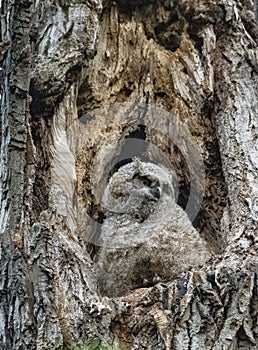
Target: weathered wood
[86, 86]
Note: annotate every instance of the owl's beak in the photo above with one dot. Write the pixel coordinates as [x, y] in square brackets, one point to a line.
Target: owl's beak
[156, 193]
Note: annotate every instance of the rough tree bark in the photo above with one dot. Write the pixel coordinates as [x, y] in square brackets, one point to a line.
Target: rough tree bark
[71, 72]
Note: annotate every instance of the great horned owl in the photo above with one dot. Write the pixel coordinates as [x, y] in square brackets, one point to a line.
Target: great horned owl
[146, 236]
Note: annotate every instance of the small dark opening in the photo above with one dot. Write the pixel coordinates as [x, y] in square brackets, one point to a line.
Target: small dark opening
[139, 133]
[131, 149]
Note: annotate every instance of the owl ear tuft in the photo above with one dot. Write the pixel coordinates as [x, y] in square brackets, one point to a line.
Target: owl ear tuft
[137, 164]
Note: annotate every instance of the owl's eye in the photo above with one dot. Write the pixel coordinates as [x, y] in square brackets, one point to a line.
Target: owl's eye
[140, 181]
[137, 183]
[154, 184]
[145, 182]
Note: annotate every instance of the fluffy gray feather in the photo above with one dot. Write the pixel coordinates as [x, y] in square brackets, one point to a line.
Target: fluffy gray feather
[146, 236]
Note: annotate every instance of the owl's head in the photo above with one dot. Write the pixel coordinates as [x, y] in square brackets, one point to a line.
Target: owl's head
[137, 187]
[147, 185]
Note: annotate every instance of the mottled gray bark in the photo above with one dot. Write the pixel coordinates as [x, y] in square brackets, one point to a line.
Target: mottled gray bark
[81, 79]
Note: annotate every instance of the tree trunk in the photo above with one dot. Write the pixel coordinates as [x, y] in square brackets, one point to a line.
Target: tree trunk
[87, 86]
